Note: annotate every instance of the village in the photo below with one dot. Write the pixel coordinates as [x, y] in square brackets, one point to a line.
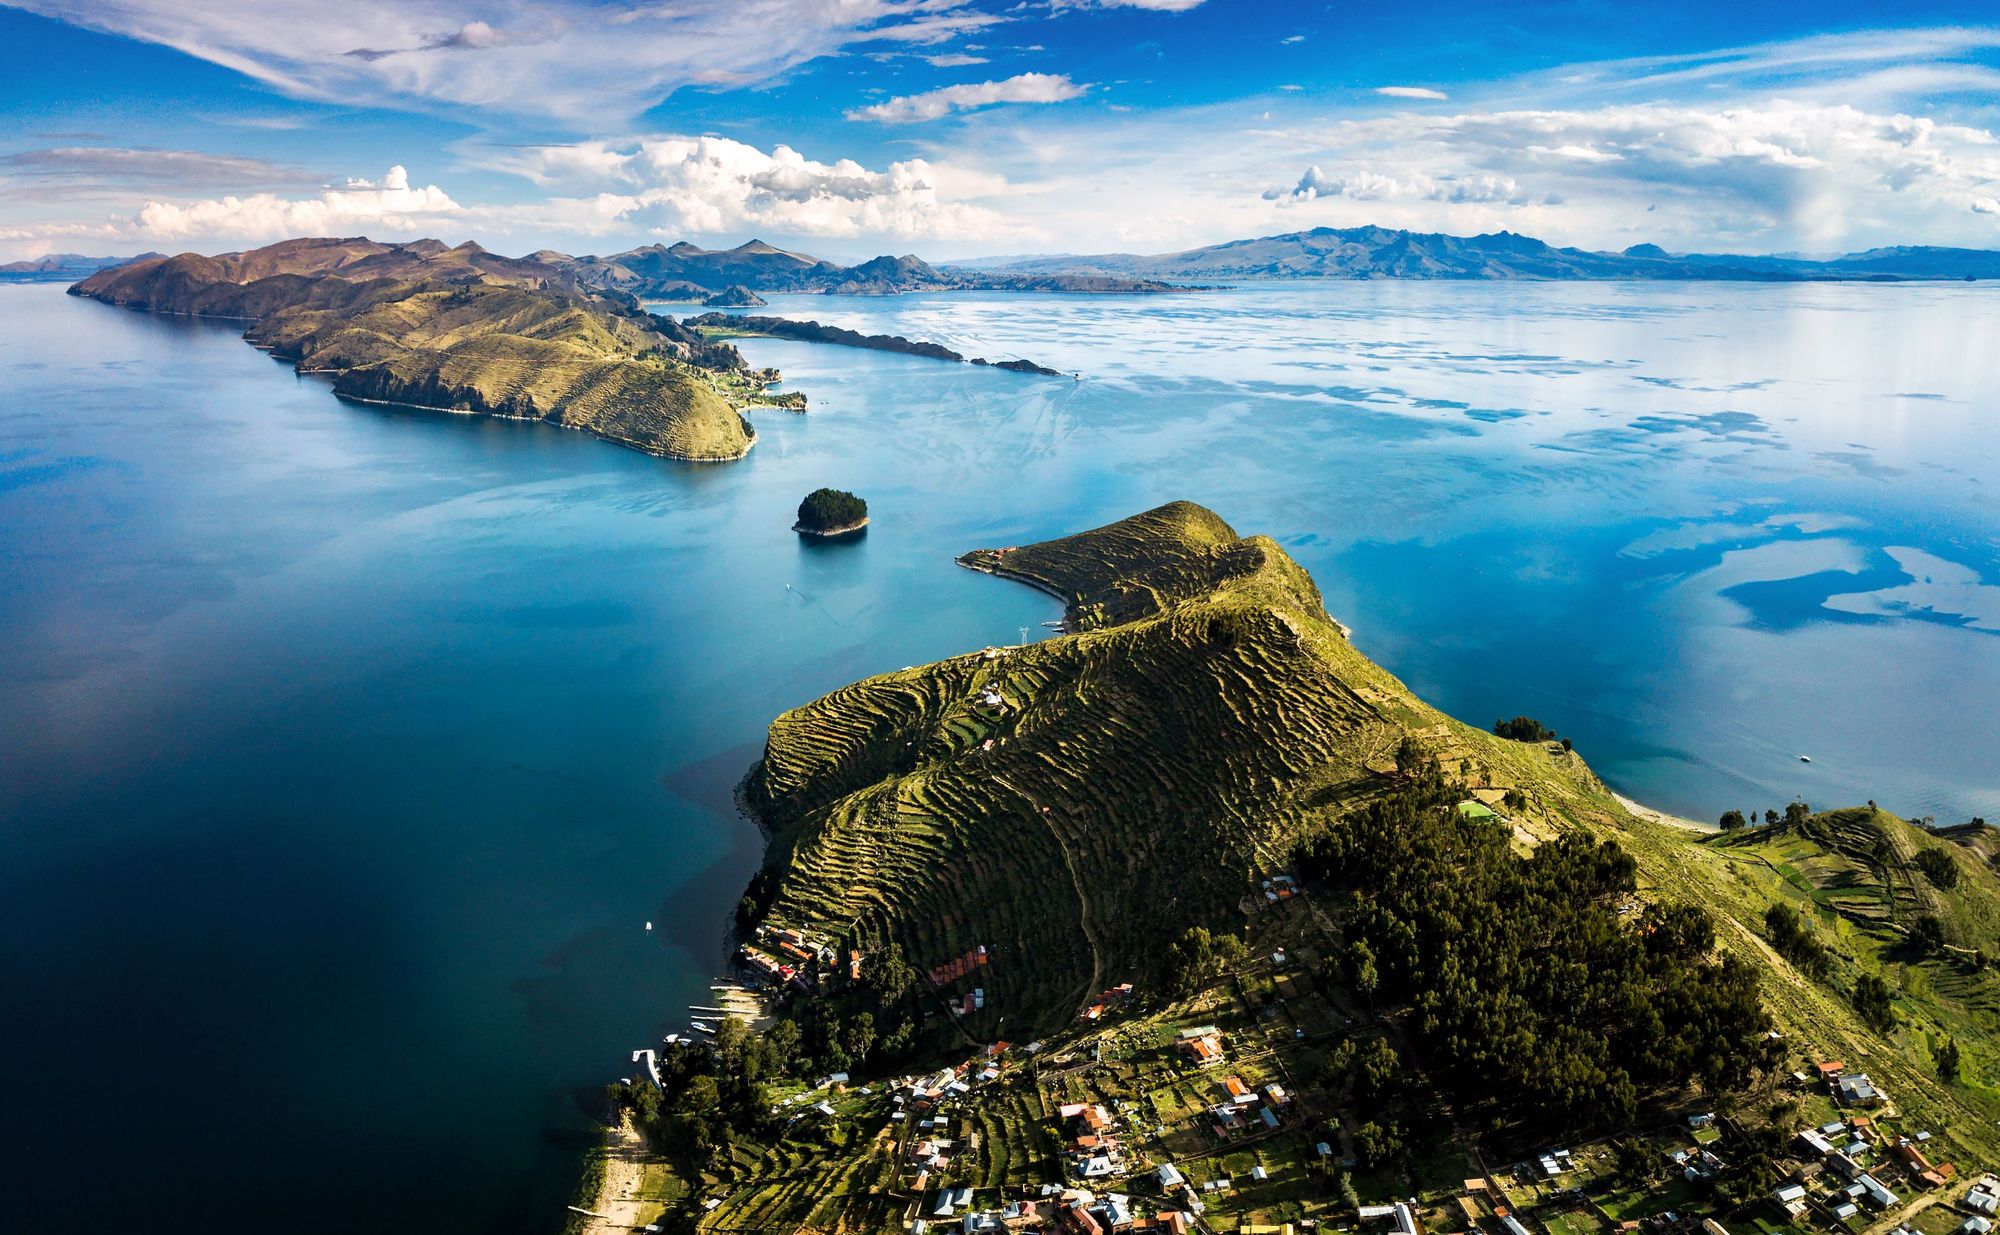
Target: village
[1228, 1111]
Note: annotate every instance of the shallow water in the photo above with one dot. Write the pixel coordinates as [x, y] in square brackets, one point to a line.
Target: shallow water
[345, 751]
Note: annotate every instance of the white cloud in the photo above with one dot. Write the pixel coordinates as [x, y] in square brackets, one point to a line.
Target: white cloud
[1292, 38]
[389, 207]
[1367, 186]
[932, 104]
[1411, 92]
[954, 60]
[672, 187]
[570, 59]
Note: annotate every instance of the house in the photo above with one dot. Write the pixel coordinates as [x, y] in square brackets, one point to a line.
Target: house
[1974, 1225]
[1094, 1168]
[1203, 1046]
[1710, 1226]
[1816, 1143]
[1269, 1116]
[1702, 1120]
[1856, 1090]
[1830, 1069]
[1513, 1225]
[1845, 1210]
[1877, 1195]
[1169, 1176]
[1792, 1199]
[1259, 1174]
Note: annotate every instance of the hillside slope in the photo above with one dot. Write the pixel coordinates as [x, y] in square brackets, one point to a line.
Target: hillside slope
[482, 335]
[1070, 804]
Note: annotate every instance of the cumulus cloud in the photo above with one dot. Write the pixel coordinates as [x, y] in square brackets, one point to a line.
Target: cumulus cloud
[678, 186]
[1367, 186]
[571, 59]
[1411, 92]
[390, 206]
[932, 104]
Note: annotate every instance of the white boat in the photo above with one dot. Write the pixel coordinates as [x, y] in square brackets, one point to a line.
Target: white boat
[649, 926]
[1805, 758]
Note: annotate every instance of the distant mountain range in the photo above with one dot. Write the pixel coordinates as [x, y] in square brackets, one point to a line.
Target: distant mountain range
[1387, 253]
[726, 277]
[57, 267]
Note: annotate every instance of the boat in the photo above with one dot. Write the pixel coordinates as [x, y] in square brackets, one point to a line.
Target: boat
[1805, 758]
[649, 926]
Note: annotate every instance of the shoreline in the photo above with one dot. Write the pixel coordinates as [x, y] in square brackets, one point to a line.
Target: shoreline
[831, 532]
[1659, 816]
[617, 1208]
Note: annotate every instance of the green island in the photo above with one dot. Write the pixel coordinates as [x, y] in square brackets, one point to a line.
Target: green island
[831, 512]
[1193, 918]
[462, 330]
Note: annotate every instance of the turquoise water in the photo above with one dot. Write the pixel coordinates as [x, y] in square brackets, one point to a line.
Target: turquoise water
[344, 752]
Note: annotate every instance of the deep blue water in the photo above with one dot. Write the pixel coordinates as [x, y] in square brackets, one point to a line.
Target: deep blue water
[343, 751]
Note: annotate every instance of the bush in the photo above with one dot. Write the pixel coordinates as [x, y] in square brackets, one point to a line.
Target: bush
[825, 509]
[1938, 867]
[1524, 729]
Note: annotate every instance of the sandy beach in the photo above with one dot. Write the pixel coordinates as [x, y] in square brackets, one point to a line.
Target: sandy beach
[618, 1207]
[1648, 813]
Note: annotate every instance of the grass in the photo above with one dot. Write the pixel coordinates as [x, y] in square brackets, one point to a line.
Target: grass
[1142, 776]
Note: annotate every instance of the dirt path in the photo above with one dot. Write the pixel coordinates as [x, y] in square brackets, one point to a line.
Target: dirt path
[617, 1201]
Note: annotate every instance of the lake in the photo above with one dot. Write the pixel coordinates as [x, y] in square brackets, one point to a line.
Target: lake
[345, 752]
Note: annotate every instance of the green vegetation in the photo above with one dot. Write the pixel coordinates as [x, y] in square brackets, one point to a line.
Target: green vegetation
[1483, 949]
[831, 511]
[472, 334]
[1524, 729]
[1534, 988]
[1071, 804]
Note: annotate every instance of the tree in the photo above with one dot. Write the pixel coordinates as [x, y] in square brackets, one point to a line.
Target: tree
[1770, 819]
[1796, 813]
[1361, 970]
[1412, 760]
[1376, 1144]
[1873, 1000]
[1926, 934]
[1948, 1061]
[1938, 867]
[1732, 820]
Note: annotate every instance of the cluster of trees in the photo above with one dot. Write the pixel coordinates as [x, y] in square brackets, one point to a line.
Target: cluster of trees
[708, 1099]
[1523, 983]
[1199, 957]
[1794, 942]
[826, 509]
[1527, 729]
[1795, 814]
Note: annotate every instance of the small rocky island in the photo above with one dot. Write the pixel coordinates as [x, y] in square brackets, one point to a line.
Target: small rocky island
[831, 512]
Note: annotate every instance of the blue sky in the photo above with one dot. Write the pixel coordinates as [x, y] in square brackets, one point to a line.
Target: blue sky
[954, 128]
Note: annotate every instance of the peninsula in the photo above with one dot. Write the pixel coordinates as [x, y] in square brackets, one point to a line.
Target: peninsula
[736, 325]
[1195, 918]
[461, 330]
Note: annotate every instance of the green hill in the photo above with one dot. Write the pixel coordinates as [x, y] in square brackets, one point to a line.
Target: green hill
[1376, 955]
[1129, 781]
[479, 334]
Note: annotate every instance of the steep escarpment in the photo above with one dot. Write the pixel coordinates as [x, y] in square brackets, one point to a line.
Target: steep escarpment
[478, 335]
[1072, 804]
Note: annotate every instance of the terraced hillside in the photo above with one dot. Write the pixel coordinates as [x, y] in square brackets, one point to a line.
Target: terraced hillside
[1075, 804]
[1856, 879]
[478, 338]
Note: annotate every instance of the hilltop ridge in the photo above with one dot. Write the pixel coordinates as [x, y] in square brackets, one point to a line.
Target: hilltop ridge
[1207, 710]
